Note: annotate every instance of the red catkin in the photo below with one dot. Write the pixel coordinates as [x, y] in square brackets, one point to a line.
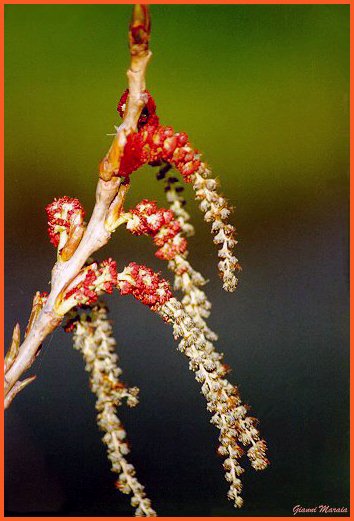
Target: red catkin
[148, 219]
[154, 142]
[145, 285]
[63, 213]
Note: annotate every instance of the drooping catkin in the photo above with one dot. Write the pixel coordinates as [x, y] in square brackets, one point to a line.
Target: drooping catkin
[93, 337]
[237, 430]
[154, 143]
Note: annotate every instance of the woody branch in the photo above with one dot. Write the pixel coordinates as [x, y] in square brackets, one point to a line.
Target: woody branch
[110, 194]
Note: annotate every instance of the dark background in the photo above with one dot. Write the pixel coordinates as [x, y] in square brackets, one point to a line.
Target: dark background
[263, 90]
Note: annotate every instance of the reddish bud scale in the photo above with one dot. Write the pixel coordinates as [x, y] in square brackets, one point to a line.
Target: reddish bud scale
[145, 285]
[84, 291]
[42, 297]
[123, 103]
[148, 114]
[139, 29]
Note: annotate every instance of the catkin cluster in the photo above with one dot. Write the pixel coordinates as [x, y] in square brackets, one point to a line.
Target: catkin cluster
[155, 144]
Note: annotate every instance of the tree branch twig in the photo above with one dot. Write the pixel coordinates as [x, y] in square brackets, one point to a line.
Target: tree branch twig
[110, 188]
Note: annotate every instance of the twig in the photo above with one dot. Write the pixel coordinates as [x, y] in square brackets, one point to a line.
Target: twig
[109, 189]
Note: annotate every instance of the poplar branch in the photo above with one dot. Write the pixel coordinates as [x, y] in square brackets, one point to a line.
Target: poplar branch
[110, 189]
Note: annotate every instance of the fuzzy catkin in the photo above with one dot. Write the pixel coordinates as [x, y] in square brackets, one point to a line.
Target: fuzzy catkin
[229, 415]
[216, 211]
[223, 399]
[186, 278]
[156, 144]
[93, 337]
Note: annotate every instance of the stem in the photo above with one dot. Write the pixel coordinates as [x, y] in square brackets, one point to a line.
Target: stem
[96, 234]
[95, 237]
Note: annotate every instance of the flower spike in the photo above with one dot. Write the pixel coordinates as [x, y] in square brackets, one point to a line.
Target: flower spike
[147, 219]
[229, 415]
[167, 232]
[93, 337]
[155, 143]
[144, 285]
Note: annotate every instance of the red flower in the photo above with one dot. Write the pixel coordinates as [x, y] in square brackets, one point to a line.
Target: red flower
[148, 219]
[154, 142]
[145, 285]
[63, 214]
[173, 247]
[89, 284]
[134, 156]
[148, 114]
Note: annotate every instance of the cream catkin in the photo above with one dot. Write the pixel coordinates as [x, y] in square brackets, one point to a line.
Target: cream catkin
[156, 144]
[229, 415]
[186, 279]
[216, 211]
[94, 339]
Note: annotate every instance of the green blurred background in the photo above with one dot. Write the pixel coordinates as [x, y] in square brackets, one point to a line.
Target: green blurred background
[264, 92]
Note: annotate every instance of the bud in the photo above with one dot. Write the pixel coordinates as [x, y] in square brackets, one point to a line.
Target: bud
[109, 166]
[139, 29]
[37, 305]
[13, 349]
[148, 114]
[115, 217]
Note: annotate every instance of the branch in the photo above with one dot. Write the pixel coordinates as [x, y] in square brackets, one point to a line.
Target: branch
[109, 190]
